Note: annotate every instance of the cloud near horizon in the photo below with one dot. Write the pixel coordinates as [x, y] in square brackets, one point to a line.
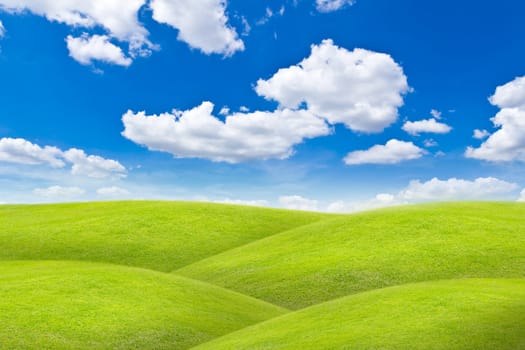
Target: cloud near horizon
[453, 189]
[59, 192]
[21, 151]
[296, 202]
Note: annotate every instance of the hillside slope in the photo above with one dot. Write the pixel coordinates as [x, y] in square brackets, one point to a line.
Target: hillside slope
[157, 235]
[71, 305]
[444, 315]
[366, 251]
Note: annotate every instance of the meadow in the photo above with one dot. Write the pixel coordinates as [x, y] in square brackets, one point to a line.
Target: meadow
[178, 275]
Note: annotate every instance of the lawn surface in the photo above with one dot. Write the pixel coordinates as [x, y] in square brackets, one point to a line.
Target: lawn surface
[446, 315]
[173, 275]
[72, 305]
[157, 235]
[356, 253]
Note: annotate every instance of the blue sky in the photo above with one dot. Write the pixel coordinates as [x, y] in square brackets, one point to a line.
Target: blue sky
[325, 105]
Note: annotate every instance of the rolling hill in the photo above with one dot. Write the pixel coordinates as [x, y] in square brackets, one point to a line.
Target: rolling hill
[72, 305]
[156, 235]
[337, 257]
[174, 275]
[446, 315]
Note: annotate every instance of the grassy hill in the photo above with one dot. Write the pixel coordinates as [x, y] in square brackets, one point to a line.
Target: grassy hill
[71, 305]
[342, 256]
[157, 235]
[172, 275]
[446, 315]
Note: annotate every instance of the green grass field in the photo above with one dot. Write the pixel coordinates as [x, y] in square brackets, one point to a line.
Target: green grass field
[65, 305]
[446, 315]
[338, 257]
[173, 275]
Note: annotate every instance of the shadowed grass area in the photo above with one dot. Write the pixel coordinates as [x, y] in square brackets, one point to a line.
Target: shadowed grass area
[445, 315]
[71, 305]
[338, 257]
[157, 235]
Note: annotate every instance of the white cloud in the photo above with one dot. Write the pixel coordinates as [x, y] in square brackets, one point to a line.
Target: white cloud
[510, 95]
[93, 166]
[456, 189]
[426, 126]
[59, 192]
[202, 24]
[436, 114]
[224, 110]
[360, 88]
[2, 30]
[113, 191]
[332, 5]
[381, 200]
[394, 151]
[86, 49]
[522, 196]
[434, 190]
[244, 109]
[430, 143]
[118, 17]
[196, 133]
[507, 143]
[21, 151]
[298, 203]
[269, 14]
[254, 203]
[480, 134]
[337, 207]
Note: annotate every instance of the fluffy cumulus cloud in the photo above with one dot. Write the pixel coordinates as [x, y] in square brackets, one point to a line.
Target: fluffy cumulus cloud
[59, 192]
[332, 5]
[93, 166]
[508, 142]
[118, 17]
[2, 30]
[480, 134]
[360, 88]
[426, 126]
[21, 151]
[393, 152]
[197, 133]
[112, 191]
[202, 24]
[298, 203]
[86, 49]
[456, 189]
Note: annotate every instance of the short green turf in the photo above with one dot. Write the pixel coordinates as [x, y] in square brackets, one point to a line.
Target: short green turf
[341, 256]
[129, 277]
[72, 305]
[446, 315]
[156, 235]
